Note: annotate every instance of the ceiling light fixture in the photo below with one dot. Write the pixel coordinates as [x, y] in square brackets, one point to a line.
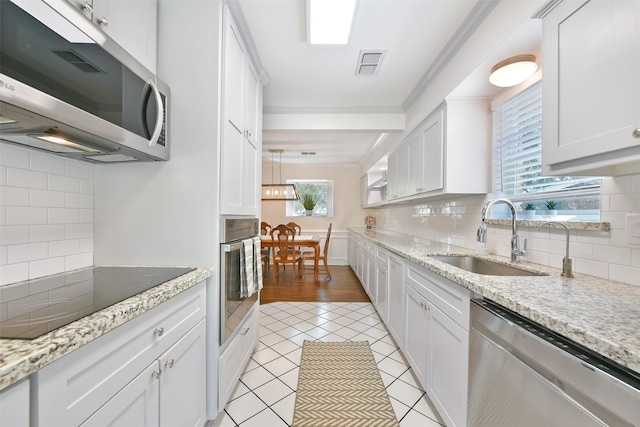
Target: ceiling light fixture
[329, 21]
[279, 191]
[513, 71]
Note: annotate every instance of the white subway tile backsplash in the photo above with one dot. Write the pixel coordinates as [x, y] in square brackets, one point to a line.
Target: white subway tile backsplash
[73, 262]
[47, 163]
[612, 254]
[14, 234]
[26, 178]
[64, 183]
[63, 216]
[580, 250]
[13, 156]
[78, 231]
[17, 215]
[617, 185]
[46, 233]
[80, 169]
[12, 273]
[46, 267]
[64, 247]
[14, 196]
[625, 274]
[76, 200]
[616, 220]
[50, 200]
[625, 203]
[46, 198]
[27, 252]
[605, 203]
[590, 267]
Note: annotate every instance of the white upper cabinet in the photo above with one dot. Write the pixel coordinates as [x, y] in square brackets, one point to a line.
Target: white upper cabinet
[241, 127]
[448, 153]
[132, 24]
[591, 108]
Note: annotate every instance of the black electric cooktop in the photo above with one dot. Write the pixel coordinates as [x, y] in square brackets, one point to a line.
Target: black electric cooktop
[35, 307]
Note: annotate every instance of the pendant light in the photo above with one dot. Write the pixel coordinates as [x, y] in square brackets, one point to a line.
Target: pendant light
[279, 191]
[513, 71]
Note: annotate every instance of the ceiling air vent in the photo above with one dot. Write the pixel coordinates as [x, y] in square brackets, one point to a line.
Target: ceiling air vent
[369, 62]
[308, 153]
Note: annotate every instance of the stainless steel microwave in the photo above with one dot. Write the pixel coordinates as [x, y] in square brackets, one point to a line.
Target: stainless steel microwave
[68, 89]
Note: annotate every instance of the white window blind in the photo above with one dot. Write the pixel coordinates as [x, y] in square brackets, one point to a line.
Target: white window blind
[517, 130]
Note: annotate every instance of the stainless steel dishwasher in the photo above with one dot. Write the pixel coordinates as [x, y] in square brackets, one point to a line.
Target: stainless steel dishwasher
[523, 375]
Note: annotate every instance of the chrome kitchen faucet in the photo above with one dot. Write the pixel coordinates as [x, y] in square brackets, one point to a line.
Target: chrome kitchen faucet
[516, 252]
[566, 261]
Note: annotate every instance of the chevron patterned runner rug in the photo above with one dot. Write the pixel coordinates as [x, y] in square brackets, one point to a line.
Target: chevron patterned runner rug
[339, 385]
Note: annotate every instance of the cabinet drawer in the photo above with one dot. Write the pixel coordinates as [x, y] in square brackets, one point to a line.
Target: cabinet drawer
[235, 357]
[448, 297]
[69, 390]
[381, 255]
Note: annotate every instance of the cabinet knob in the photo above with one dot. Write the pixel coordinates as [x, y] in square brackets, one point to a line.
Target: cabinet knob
[86, 6]
[636, 133]
[103, 21]
[156, 374]
[158, 331]
[169, 363]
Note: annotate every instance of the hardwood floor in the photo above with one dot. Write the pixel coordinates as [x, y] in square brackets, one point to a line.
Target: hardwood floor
[343, 287]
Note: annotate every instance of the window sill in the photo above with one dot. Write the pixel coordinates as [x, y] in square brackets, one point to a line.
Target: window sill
[565, 219]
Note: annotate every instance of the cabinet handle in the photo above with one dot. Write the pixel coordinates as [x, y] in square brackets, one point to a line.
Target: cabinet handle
[636, 133]
[156, 374]
[86, 6]
[169, 363]
[245, 331]
[158, 331]
[103, 21]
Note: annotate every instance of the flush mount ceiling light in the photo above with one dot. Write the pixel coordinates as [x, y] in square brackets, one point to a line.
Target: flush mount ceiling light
[513, 71]
[279, 191]
[329, 21]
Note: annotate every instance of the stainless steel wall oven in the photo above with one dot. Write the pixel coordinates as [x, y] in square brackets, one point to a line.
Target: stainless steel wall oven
[234, 307]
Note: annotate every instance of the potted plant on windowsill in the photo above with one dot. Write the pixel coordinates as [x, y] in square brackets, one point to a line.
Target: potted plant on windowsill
[529, 210]
[308, 203]
[551, 208]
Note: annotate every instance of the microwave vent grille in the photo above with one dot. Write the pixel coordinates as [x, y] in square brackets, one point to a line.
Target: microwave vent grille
[77, 61]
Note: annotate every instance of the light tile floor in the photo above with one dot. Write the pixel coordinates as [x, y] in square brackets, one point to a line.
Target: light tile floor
[266, 393]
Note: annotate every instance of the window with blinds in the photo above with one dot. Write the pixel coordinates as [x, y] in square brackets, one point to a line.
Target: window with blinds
[517, 165]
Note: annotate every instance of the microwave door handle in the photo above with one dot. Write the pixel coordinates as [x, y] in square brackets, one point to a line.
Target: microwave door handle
[160, 116]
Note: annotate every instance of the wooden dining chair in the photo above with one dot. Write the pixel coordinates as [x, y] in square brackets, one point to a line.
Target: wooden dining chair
[265, 230]
[323, 256]
[298, 231]
[284, 240]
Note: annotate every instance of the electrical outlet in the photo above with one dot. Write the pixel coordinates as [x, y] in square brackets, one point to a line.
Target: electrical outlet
[633, 229]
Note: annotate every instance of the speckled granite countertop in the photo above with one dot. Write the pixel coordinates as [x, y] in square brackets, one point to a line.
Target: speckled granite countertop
[602, 315]
[19, 358]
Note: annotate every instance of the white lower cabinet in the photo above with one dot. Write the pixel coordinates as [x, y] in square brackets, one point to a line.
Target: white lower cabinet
[417, 339]
[382, 267]
[235, 356]
[148, 372]
[396, 315]
[14, 405]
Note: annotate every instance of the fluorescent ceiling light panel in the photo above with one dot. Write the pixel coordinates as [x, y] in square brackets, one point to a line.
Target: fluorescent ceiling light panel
[329, 21]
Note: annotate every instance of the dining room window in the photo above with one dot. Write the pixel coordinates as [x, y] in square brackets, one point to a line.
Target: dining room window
[319, 190]
[517, 162]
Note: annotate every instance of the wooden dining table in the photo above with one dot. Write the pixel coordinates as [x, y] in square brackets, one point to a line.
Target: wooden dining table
[307, 241]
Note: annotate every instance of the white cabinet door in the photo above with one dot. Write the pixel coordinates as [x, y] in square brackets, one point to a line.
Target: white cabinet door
[14, 405]
[398, 167]
[416, 332]
[416, 166]
[382, 300]
[233, 77]
[590, 102]
[432, 141]
[135, 405]
[182, 382]
[447, 369]
[132, 24]
[372, 280]
[396, 298]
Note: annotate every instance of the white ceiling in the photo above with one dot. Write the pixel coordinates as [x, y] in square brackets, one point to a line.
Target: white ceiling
[314, 79]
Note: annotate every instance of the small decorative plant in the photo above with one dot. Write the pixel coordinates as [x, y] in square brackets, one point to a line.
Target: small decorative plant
[529, 207]
[551, 205]
[308, 202]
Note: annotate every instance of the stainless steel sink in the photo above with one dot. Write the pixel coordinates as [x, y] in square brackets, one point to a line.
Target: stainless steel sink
[483, 266]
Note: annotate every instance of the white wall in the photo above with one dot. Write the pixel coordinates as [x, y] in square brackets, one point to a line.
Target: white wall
[346, 207]
[604, 254]
[46, 214]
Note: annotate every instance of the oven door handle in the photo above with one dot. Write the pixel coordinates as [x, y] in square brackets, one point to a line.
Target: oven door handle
[229, 247]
